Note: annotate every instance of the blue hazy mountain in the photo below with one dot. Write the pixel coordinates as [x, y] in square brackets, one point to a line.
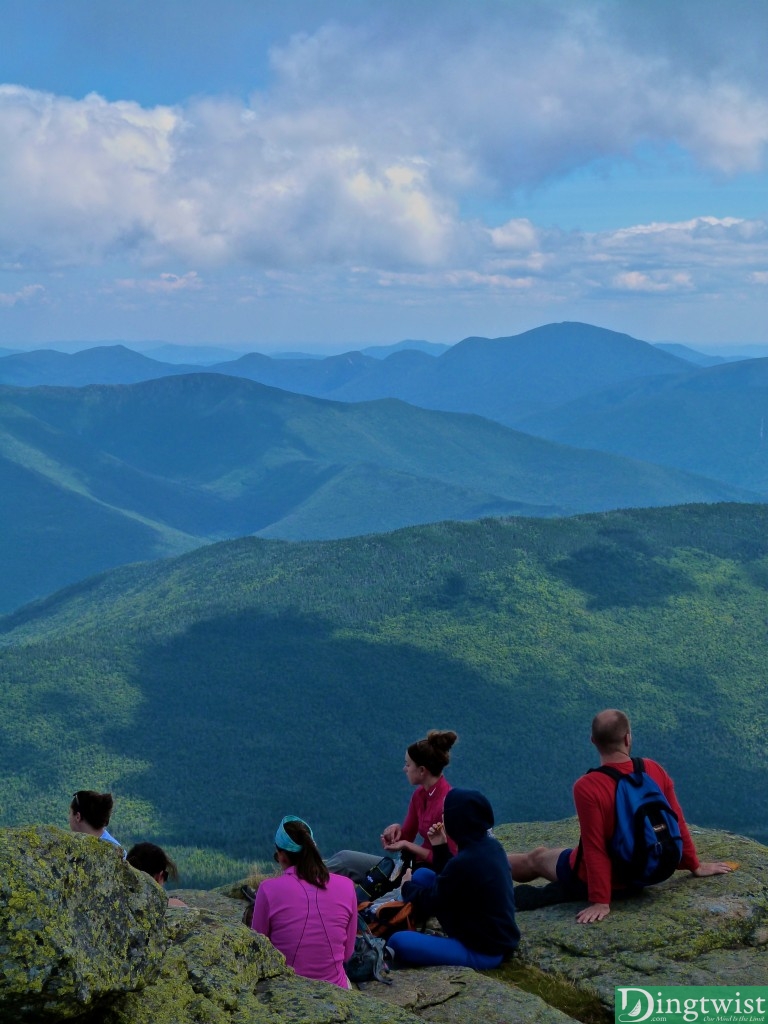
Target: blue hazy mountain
[101, 475]
[500, 378]
[691, 355]
[712, 421]
[188, 355]
[431, 348]
[105, 364]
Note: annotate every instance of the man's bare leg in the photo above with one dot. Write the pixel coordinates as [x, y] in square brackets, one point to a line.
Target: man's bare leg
[538, 863]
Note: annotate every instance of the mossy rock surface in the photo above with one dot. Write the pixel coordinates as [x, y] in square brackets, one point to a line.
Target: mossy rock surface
[686, 931]
[83, 936]
[77, 925]
[217, 972]
[459, 995]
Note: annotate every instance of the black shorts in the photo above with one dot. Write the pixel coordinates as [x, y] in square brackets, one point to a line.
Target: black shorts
[573, 885]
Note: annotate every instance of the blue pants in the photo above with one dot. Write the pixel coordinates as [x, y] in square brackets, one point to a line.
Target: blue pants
[436, 950]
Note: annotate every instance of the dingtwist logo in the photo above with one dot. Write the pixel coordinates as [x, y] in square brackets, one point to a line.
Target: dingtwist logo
[692, 1004]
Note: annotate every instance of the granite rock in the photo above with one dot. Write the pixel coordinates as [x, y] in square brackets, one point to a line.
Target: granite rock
[686, 931]
[84, 936]
[77, 926]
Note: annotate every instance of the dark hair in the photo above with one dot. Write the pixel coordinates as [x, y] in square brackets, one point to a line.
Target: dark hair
[308, 862]
[152, 859]
[433, 752]
[609, 729]
[93, 807]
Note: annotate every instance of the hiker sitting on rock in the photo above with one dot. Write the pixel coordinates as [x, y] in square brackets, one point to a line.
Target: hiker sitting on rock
[472, 896]
[155, 862]
[594, 871]
[307, 913]
[425, 761]
[89, 813]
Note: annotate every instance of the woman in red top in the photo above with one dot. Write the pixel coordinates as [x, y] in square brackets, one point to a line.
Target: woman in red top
[425, 761]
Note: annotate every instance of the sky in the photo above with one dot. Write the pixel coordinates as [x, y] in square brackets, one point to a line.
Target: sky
[319, 175]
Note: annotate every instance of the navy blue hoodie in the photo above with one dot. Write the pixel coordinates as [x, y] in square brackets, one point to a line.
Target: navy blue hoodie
[472, 896]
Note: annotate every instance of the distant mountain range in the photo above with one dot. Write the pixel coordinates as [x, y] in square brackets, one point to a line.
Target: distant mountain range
[511, 380]
[505, 379]
[108, 364]
[692, 356]
[711, 421]
[217, 691]
[102, 475]
[382, 351]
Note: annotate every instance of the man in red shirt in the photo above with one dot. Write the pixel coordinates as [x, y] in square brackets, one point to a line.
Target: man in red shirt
[594, 794]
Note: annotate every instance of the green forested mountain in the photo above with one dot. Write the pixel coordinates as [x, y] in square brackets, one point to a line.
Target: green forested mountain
[95, 477]
[219, 690]
[710, 421]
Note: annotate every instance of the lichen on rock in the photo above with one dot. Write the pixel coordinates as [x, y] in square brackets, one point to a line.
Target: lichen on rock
[77, 925]
[686, 931]
[83, 935]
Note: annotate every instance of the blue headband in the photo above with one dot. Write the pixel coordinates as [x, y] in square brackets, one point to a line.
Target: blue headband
[283, 841]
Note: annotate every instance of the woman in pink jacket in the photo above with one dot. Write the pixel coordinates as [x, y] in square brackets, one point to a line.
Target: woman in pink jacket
[307, 913]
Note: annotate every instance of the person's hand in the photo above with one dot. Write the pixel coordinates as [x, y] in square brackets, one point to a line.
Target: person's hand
[594, 912]
[406, 876]
[712, 867]
[397, 844]
[436, 834]
[391, 834]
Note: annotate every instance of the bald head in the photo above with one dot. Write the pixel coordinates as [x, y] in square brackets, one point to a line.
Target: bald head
[609, 730]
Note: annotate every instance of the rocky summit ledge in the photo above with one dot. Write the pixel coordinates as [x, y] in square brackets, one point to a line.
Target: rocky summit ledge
[686, 931]
[84, 937]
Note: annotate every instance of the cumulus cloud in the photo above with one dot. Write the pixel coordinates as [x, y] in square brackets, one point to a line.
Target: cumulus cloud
[357, 156]
[513, 103]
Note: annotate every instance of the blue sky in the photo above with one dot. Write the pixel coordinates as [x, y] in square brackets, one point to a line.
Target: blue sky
[321, 175]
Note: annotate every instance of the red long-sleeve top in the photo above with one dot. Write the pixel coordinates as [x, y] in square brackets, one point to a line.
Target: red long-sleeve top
[425, 810]
[595, 797]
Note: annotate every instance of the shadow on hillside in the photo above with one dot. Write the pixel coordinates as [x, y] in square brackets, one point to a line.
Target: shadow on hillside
[613, 576]
[251, 717]
[459, 589]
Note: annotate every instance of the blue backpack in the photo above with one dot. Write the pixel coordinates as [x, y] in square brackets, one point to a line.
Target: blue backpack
[646, 846]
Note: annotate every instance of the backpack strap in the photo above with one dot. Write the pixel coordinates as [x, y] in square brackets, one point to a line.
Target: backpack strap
[638, 767]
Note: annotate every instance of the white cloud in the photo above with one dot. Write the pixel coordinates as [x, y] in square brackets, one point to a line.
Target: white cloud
[515, 234]
[638, 281]
[361, 148]
[164, 284]
[457, 280]
[354, 163]
[29, 293]
[510, 101]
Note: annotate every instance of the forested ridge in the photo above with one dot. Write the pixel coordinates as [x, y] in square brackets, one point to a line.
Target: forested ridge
[217, 691]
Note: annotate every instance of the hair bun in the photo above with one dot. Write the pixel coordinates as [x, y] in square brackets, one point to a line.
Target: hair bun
[443, 739]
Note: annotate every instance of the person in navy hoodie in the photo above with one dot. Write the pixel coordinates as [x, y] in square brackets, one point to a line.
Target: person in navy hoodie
[470, 893]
